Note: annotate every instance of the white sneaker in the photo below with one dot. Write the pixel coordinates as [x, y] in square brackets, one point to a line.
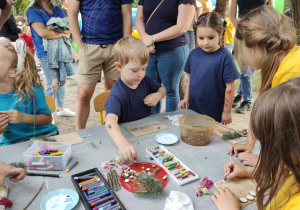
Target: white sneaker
[65, 113]
[53, 121]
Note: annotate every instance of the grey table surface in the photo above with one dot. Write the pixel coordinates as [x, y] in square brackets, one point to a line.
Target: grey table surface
[205, 161]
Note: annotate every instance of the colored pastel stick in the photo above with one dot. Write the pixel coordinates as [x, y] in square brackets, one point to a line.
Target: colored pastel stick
[94, 200]
[38, 154]
[52, 150]
[104, 193]
[100, 190]
[38, 163]
[91, 174]
[90, 180]
[97, 186]
[91, 143]
[49, 167]
[72, 166]
[102, 200]
[83, 177]
[42, 151]
[95, 182]
[116, 206]
[57, 153]
[96, 189]
[106, 204]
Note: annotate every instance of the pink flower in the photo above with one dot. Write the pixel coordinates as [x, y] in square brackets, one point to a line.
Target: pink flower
[197, 190]
[105, 165]
[119, 164]
[207, 183]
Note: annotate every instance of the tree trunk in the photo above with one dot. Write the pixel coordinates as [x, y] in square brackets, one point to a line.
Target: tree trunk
[295, 13]
[182, 85]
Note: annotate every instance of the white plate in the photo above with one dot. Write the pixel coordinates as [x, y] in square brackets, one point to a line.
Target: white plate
[166, 138]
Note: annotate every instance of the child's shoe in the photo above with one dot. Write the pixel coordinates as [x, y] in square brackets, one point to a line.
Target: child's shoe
[245, 106]
[236, 100]
[65, 113]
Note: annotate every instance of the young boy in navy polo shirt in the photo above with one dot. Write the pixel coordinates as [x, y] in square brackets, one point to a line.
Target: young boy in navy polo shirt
[133, 95]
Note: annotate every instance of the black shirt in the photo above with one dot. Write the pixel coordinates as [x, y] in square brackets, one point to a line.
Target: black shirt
[2, 4]
[246, 6]
[10, 29]
[164, 17]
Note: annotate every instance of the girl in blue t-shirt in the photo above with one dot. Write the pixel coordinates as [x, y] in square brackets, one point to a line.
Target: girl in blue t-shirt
[211, 72]
[24, 112]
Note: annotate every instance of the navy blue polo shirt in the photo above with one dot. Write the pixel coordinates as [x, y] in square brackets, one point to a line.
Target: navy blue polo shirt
[209, 73]
[127, 103]
[164, 17]
[102, 20]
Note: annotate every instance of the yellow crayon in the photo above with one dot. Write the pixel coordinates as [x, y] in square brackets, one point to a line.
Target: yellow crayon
[38, 154]
[57, 153]
[49, 167]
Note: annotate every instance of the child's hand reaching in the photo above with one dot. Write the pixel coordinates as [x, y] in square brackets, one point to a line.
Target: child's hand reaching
[184, 104]
[224, 199]
[3, 121]
[233, 170]
[128, 153]
[16, 174]
[14, 116]
[226, 118]
[152, 99]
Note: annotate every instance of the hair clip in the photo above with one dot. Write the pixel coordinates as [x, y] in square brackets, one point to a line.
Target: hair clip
[245, 25]
[20, 47]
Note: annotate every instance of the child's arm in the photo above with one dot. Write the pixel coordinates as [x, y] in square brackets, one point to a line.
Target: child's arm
[229, 94]
[73, 9]
[16, 174]
[184, 104]
[126, 150]
[153, 98]
[15, 117]
[127, 20]
[47, 33]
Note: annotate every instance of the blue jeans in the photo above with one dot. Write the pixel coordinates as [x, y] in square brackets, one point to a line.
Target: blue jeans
[166, 67]
[192, 40]
[245, 87]
[52, 77]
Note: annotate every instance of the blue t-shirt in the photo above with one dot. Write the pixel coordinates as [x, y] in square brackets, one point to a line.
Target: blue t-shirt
[22, 131]
[37, 16]
[102, 21]
[209, 73]
[164, 17]
[128, 103]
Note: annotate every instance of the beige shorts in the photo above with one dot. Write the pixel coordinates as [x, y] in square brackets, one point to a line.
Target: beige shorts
[94, 58]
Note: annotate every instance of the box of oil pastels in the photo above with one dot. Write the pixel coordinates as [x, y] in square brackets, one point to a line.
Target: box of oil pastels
[94, 191]
[176, 169]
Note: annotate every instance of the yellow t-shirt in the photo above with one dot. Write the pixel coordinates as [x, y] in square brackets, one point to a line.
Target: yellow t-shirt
[229, 32]
[289, 67]
[207, 5]
[288, 197]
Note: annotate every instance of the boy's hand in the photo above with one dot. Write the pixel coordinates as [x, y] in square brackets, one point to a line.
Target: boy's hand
[248, 159]
[233, 170]
[14, 116]
[128, 153]
[224, 199]
[184, 104]
[152, 99]
[239, 147]
[3, 122]
[226, 118]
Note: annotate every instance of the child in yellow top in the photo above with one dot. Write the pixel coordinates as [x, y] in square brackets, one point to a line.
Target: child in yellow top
[275, 122]
[229, 32]
[266, 40]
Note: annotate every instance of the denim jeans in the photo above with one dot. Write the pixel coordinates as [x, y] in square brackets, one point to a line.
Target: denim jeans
[192, 40]
[166, 67]
[245, 87]
[52, 76]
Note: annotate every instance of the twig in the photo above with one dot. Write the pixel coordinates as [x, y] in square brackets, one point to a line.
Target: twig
[34, 197]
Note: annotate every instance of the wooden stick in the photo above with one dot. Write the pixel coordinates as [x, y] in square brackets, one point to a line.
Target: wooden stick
[34, 197]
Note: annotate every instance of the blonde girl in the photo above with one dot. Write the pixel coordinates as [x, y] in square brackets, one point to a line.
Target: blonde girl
[275, 122]
[23, 109]
[266, 40]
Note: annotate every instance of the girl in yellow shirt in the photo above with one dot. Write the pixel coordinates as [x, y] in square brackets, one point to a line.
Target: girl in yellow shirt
[266, 40]
[275, 122]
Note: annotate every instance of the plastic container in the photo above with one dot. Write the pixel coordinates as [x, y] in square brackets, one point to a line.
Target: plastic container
[197, 129]
[43, 162]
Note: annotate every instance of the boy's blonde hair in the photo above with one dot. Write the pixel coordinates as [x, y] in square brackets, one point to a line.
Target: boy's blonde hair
[22, 83]
[272, 32]
[131, 48]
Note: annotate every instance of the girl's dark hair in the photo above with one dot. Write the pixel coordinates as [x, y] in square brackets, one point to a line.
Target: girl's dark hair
[212, 20]
[275, 121]
[36, 4]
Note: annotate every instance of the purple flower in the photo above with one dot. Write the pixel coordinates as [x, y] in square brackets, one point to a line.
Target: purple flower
[207, 183]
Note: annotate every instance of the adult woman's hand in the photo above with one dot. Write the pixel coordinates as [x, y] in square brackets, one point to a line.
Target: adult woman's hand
[151, 49]
[147, 40]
